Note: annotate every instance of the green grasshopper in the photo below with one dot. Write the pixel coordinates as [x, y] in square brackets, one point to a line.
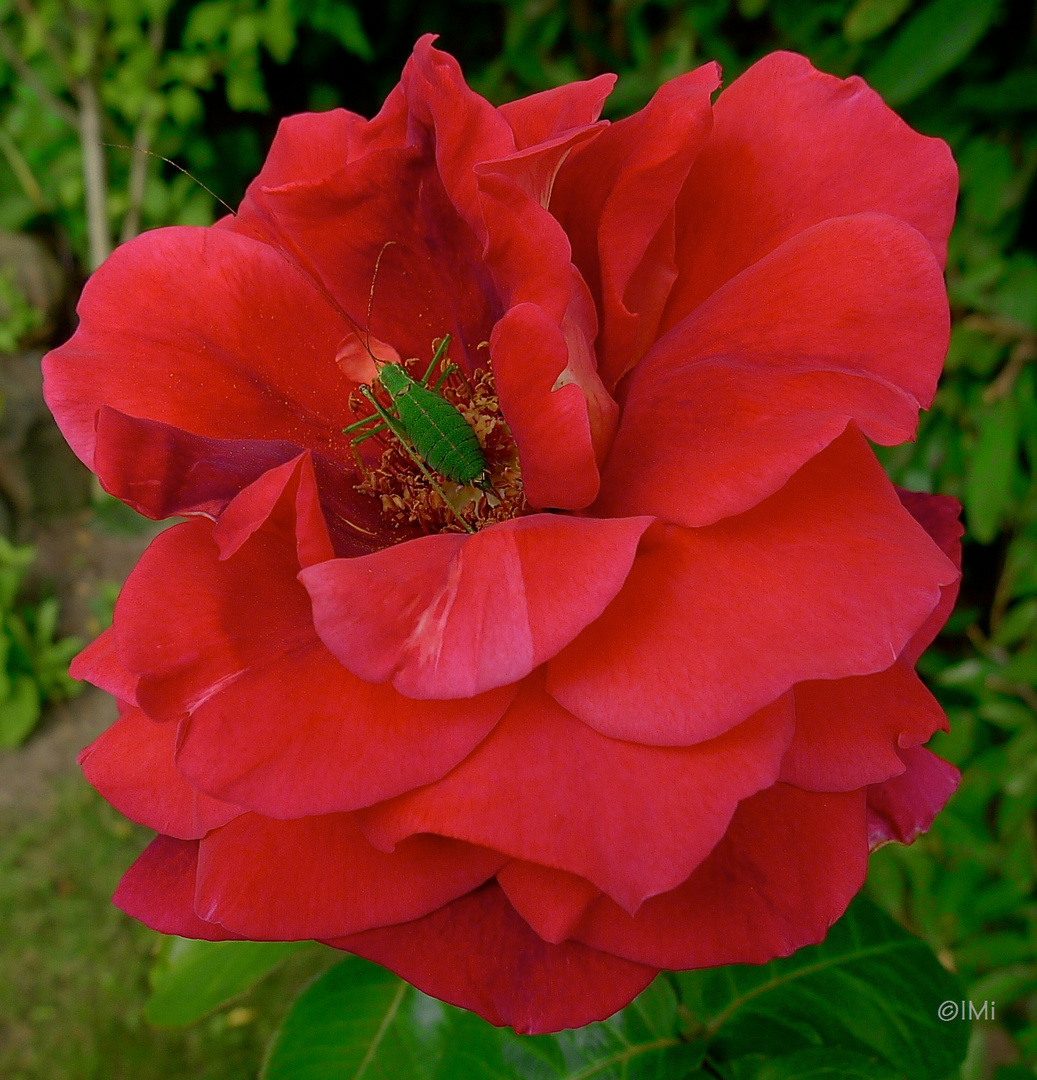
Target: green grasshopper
[432, 431]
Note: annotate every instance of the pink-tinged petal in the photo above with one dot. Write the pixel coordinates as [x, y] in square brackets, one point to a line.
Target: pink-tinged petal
[131, 765]
[450, 616]
[477, 953]
[615, 198]
[633, 820]
[539, 117]
[246, 351]
[901, 808]
[786, 869]
[552, 901]
[848, 731]
[318, 740]
[940, 516]
[318, 877]
[550, 422]
[780, 359]
[161, 470]
[99, 664]
[285, 500]
[827, 578]
[791, 147]
[158, 889]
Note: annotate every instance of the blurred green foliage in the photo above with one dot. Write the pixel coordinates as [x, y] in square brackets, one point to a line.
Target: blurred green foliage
[33, 661]
[205, 82]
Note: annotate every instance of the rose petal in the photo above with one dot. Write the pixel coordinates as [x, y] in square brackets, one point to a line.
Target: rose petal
[539, 117]
[939, 515]
[318, 877]
[780, 359]
[99, 664]
[276, 724]
[158, 889]
[905, 806]
[246, 351]
[614, 197]
[791, 147]
[131, 765]
[787, 867]
[552, 901]
[634, 820]
[478, 954]
[828, 578]
[848, 731]
[451, 616]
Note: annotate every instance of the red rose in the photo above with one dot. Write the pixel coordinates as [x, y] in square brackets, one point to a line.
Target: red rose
[652, 709]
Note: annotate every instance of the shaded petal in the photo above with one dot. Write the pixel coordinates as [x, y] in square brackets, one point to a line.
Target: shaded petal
[99, 664]
[539, 117]
[615, 198]
[246, 351]
[318, 877]
[901, 808]
[477, 953]
[825, 579]
[158, 889]
[940, 516]
[450, 616]
[552, 901]
[847, 320]
[848, 731]
[792, 147]
[131, 765]
[786, 869]
[634, 820]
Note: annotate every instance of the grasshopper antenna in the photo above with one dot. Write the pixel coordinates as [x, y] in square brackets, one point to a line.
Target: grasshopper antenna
[151, 153]
[370, 295]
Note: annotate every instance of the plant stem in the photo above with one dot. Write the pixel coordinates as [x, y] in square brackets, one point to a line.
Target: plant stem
[94, 173]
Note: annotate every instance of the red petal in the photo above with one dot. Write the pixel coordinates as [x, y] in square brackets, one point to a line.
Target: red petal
[319, 877]
[905, 806]
[276, 724]
[786, 869]
[158, 889]
[543, 116]
[634, 820]
[131, 765]
[161, 470]
[319, 740]
[847, 320]
[478, 954]
[791, 147]
[551, 901]
[615, 195]
[848, 731]
[223, 339]
[450, 616]
[99, 664]
[825, 579]
[939, 515]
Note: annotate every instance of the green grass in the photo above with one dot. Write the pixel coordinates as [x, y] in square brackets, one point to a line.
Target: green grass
[74, 969]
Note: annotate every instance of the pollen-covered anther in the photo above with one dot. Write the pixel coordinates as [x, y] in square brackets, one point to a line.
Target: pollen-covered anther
[409, 498]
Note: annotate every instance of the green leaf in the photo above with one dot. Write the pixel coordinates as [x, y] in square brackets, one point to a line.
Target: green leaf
[870, 988]
[203, 975]
[20, 713]
[869, 18]
[358, 1020]
[342, 22]
[820, 1064]
[639, 1043]
[990, 469]
[931, 43]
